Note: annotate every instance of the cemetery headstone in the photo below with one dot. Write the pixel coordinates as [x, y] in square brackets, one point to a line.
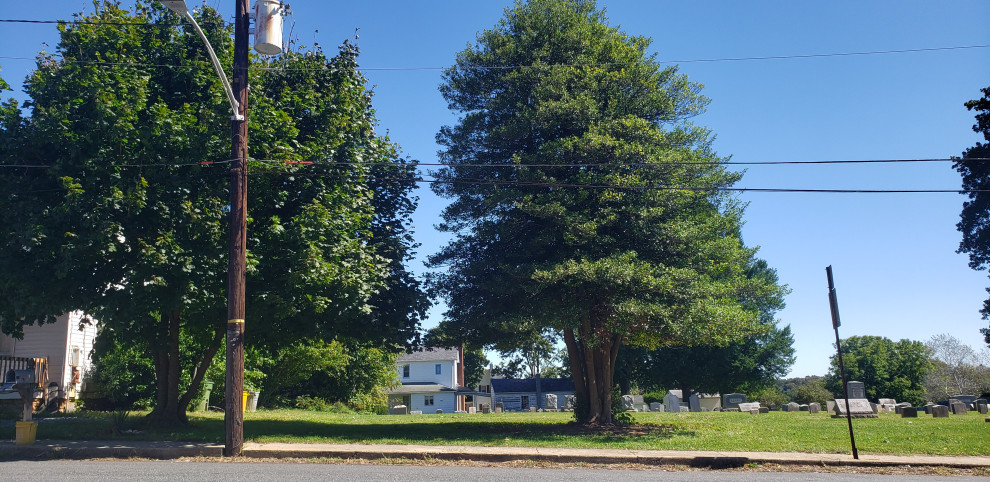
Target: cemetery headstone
[958, 408]
[792, 407]
[486, 408]
[764, 409]
[814, 407]
[694, 402]
[858, 408]
[550, 401]
[399, 410]
[747, 406]
[981, 406]
[416, 412]
[909, 412]
[638, 404]
[569, 402]
[830, 407]
[939, 411]
[732, 400]
[499, 407]
[439, 410]
[803, 407]
[627, 403]
[672, 400]
[967, 399]
[656, 407]
[472, 410]
[856, 390]
[755, 411]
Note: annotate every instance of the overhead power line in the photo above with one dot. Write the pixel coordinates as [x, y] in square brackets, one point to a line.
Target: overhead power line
[543, 165]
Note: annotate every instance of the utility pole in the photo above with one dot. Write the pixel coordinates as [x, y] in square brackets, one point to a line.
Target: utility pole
[236, 267]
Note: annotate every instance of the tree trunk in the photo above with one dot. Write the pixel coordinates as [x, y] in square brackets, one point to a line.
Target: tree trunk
[592, 357]
[200, 372]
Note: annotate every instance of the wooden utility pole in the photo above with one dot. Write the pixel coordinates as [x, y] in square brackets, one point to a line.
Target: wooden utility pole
[833, 303]
[234, 410]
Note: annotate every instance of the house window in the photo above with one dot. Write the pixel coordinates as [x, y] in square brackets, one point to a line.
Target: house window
[438, 368]
[428, 400]
[405, 371]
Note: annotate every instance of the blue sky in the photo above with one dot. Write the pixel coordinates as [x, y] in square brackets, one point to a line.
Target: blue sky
[896, 270]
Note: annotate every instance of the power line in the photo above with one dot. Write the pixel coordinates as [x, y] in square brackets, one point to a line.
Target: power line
[517, 166]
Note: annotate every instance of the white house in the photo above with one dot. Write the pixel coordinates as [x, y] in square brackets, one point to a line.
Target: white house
[66, 344]
[432, 379]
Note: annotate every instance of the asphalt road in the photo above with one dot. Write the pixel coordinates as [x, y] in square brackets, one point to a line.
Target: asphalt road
[76, 471]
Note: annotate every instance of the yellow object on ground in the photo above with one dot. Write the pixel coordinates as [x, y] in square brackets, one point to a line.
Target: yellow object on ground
[244, 402]
[25, 433]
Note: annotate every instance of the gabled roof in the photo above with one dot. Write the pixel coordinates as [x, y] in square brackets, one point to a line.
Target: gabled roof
[432, 354]
[528, 385]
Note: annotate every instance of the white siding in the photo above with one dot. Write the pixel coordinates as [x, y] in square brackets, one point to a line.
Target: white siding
[55, 341]
[425, 372]
[446, 401]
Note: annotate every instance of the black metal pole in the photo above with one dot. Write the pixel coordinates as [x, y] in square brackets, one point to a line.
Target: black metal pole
[833, 303]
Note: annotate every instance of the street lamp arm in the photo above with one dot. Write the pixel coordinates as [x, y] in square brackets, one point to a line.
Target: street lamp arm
[234, 105]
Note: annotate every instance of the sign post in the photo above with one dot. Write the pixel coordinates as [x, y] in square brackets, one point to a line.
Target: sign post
[833, 303]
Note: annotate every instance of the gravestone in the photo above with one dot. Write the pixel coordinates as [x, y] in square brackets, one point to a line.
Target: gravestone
[928, 407]
[472, 410]
[939, 411]
[967, 399]
[638, 403]
[570, 401]
[856, 390]
[888, 404]
[656, 407]
[764, 409]
[499, 407]
[792, 407]
[627, 403]
[747, 406]
[486, 408]
[875, 407]
[830, 407]
[958, 408]
[803, 407]
[416, 412]
[398, 410]
[694, 402]
[550, 401]
[439, 410]
[909, 412]
[981, 406]
[732, 400]
[755, 411]
[672, 400]
[461, 411]
[900, 406]
[814, 407]
[858, 408]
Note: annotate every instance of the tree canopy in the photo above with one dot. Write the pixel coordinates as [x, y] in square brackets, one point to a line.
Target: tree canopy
[889, 369]
[583, 199]
[743, 365]
[122, 209]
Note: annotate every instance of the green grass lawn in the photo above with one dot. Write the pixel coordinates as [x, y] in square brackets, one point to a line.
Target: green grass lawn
[772, 432]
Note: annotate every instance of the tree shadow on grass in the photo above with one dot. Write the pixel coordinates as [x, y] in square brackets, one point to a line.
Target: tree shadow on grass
[457, 432]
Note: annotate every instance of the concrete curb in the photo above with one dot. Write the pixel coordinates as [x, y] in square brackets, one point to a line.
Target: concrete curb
[48, 450]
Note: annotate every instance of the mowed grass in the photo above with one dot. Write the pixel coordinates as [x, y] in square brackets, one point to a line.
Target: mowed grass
[772, 432]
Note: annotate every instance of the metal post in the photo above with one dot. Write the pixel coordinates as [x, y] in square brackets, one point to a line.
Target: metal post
[234, 410]
[833, 303]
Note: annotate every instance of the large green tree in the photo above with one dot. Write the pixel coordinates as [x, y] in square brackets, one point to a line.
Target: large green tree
[744, 365]
[583, 200]
[125, 215]
[889, 369]
[974, 223]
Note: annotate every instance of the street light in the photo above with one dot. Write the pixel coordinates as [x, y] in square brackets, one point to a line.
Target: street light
[268, 41]
[179, 7]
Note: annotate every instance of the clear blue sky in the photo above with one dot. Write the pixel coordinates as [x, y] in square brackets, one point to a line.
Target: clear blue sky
[896, 269]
